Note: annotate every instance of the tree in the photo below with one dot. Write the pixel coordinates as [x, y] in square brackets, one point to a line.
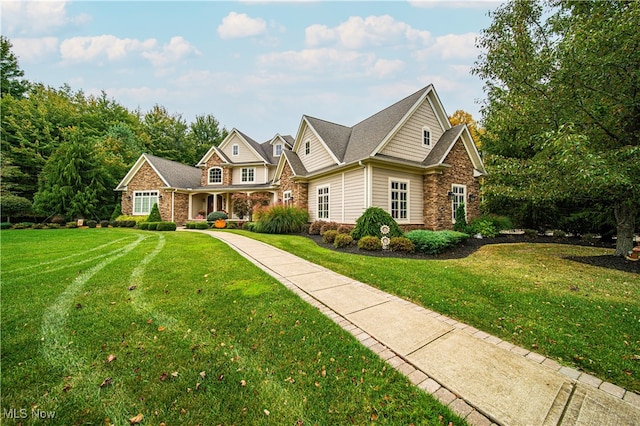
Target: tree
[13, 205]
[72, 181]
[168, 136]
[563, 109]
[11, 82]
[460, 117]
[205, 132]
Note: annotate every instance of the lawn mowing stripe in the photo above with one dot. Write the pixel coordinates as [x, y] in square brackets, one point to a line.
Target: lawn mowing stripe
[60, 259]
[54, 317]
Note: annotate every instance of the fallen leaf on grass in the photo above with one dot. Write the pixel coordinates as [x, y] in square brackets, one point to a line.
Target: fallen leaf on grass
[174, 374]
[111, 358]
[163, 377]
[106, 382]
[203, 374]
[161, 328]
[137, 419]
[243, 383]
[132, 287]
[266, 412]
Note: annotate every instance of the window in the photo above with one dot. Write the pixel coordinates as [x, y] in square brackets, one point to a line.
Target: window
[235, 150]
[307, 147]
[323, 202]
[457, 200]
[398, 197]
[426, 136]
[277, 150]
[143, 201]
[287, 198]
[215, 175]
[248, 174]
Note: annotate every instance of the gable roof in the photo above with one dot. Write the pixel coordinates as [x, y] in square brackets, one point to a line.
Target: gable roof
[172, 173]
[444, 145]
[335, 136]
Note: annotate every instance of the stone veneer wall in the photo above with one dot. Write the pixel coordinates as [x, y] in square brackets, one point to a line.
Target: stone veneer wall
[298, 189]
[437, 206]
[147, 180]
[214, 161]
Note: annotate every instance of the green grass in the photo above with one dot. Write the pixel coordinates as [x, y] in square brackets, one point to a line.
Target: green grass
[583, 316]
[108, 324]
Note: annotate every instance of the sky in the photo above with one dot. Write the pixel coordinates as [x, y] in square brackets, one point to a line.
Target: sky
[257, 66]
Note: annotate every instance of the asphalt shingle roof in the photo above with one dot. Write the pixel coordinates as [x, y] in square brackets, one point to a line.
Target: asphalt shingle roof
[176, 174]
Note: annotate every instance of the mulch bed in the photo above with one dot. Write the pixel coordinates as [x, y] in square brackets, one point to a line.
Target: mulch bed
[473, 244]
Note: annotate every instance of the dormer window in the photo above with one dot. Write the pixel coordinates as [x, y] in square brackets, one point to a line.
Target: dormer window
[307, 147]
[215, 175]
[426, 136]
[235, 150]
[277, 150]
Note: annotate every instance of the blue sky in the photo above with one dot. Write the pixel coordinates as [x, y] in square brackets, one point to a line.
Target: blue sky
[255, 65]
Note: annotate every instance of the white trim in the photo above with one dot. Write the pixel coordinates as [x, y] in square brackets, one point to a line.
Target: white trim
[455, 201]
[235, 150]
[142, 195]
[328, 195]
[297, 144]
[209, 175]
[287, 197]
[426, 129]
[392, 180]
[242, 174]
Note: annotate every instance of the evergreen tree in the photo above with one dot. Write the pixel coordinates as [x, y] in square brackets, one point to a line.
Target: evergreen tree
[11, 82]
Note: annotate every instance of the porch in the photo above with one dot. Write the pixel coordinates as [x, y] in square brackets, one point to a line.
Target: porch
[201, 204]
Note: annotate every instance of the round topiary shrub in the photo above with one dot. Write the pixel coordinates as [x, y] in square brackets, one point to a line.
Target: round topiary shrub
[345, 229]
[104, 224]
[370, 243]
[152, 226]
[329, 226]
[5, 225]
[401, 244]
[92, 223]
[329, 236]
[143, 225]
[213, 216]
[315, 227]
[342, 240]
[167, 226]
[202, 225]
[370, 222]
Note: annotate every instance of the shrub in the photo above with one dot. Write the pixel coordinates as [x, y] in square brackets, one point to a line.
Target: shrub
[483, 227]
[128, 221]
[5, 225]
[190, 225]
[14, 205]
[72, 224]
[342, 240]
[329, 236]
[232, 225]
[370, 222]
[435, 242]
[91, 223]
[53, 225]
[143, 225]
[38, 226]
[250, 226]
[154, 214]
[370, 243]
[461, 219]
[401, 244]
[329, 226]
[167, 226]
[500, 223]
[104, 224]
[557, 233]
[152, 226]
[281, 219]
[315, 227]
[589, 238]
[21, 225]
[115, 223]
[58, 219]
[117, 211]
[213, 216]
[345, 229]
[530, 233]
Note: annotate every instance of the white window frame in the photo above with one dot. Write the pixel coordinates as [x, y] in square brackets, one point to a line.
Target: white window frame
[459, 196]
[323, 201]
[426, 136]
[277, 150]
[143, 202]
[211, 182]
[235, 149]
[399, 207]
[287, 198]
[307, 147]
[246, 173]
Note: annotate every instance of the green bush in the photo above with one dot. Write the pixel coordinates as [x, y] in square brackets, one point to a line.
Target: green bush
[281, 219]
[213, 216]
[117, 211]
[52, 225]
[401, 244]
[370, 243]
[501, 223]
[435, 242]
[38, 226]
[250, 226]
[154, 214]
[104, 224]
[461, 219]
[315, 227]
[345, 229]
[483, 227]
[329, 236]
[143, 225]
[91, 223]
[530, 233]
[589, 238]
[72, 224]
[329, 226]
[21, 225]
[342, 240]
[557, 233]
[152, 226]
[137, 219]
[232, 225]
[167, 226]
[370, 222]
[5, 225]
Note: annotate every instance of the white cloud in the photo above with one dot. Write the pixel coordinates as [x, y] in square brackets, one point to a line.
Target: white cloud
[238, 25]
[458, 4]
[109, 46]
[177, 49]
[450, 46]
[316, 60]
[36, 17]
[384, 67]
[357, 32]
[33, 49]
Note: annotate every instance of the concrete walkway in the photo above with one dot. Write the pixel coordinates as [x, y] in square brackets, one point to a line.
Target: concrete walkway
[482, 378]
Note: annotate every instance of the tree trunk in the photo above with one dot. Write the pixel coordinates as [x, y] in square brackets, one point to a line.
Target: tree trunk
[626, 219]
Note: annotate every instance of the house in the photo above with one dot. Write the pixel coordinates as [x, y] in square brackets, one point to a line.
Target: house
[406, 159]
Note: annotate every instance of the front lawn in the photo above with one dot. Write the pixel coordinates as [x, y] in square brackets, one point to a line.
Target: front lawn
[583, 316]
[112, 326]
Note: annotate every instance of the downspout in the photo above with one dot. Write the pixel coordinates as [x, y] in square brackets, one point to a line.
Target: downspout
[173, 205]
[364, 185]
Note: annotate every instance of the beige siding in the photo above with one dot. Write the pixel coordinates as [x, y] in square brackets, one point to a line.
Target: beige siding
[354, 193]
[260, 175]
[318, 156]
[407, 142]
[380, 195]
[245, 153]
